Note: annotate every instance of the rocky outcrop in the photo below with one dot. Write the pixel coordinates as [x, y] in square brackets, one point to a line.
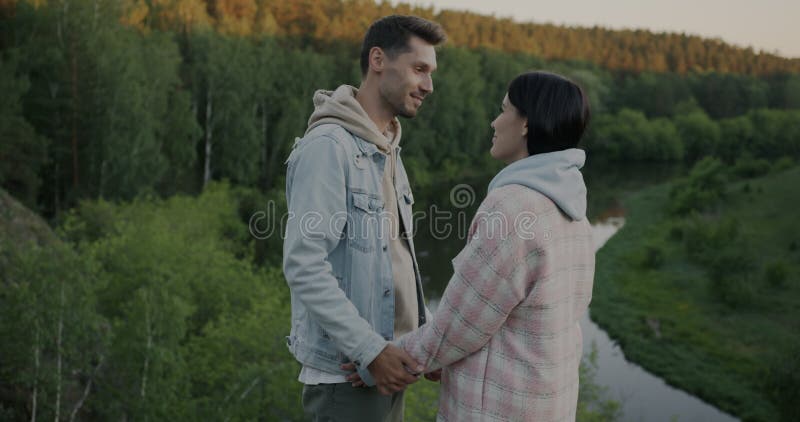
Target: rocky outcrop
[19, 227]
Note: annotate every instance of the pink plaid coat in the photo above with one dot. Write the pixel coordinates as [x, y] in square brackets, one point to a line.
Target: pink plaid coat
[507, 328]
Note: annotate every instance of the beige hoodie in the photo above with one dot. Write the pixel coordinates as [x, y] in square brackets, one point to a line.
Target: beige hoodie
[341, 107]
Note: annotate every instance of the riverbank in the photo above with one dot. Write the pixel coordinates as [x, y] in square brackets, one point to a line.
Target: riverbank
[729, 343]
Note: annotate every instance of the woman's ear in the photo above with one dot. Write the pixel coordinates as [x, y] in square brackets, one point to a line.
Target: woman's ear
[525, 129]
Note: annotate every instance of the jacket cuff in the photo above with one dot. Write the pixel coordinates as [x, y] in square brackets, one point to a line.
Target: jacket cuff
[366, 377]
[365, 353]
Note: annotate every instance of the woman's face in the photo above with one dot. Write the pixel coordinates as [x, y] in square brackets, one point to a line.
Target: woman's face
[509, 142]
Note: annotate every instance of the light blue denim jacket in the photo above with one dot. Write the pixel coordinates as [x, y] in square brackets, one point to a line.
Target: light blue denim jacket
[335, 258]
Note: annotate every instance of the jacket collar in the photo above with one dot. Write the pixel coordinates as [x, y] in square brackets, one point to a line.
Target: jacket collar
[368, 148]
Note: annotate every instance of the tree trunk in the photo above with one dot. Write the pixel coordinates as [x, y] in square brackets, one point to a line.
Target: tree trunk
[272, 163]
[208, 129]
[86, 391]
[59, 339]
[35, 375]
[53, 89]
[148, 328]
[264, 152]
[74, 73]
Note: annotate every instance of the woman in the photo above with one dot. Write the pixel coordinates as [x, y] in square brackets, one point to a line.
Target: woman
[506, 331]
[507, 327]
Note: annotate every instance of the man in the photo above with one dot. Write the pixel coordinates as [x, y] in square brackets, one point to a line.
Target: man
[348, 255]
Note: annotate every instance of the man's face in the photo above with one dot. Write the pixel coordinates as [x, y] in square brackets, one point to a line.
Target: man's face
[406, 80]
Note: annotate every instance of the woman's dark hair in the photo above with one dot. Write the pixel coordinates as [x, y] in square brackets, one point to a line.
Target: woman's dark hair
[391, 34]
[556, 108]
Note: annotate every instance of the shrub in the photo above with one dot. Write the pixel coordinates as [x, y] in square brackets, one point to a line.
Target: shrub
[749, 167]
[702, 189]
[676, 232]
[731, 272]
[703, 238]
[652, 255]
[719, 247]
[783, 382]
[776, 273]
[783, 163]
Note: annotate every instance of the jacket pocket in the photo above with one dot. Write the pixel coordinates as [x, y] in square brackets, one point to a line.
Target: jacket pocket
[367, 203]
[364, 222]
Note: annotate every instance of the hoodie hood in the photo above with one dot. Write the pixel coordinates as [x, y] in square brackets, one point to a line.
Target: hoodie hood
[341, 107]
[555, 175]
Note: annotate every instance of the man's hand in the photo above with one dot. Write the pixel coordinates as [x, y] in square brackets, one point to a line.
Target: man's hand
[389, 370]
[434, 376]
[353, 378]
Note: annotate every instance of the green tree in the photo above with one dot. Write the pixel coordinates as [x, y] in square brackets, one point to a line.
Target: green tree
[621, 136]
[699, 134]
[667, 145]
[737, 136]
[287, 79]
[453, 126]
[702, 189]
[54, 341]
[776, 132]
[656, 94]
[222, 72]
[136, 82]
[22, 150]
[728, 95]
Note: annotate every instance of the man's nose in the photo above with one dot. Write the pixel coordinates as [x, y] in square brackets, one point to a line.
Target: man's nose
[427, 84]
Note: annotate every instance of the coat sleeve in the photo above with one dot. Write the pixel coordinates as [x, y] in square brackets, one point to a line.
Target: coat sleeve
[491, 276]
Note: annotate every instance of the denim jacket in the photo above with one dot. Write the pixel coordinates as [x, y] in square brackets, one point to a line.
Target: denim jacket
[335, 257]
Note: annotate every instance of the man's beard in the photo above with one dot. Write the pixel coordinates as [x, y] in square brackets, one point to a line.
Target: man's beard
[408, 114]
[396, 100]
[400, 109]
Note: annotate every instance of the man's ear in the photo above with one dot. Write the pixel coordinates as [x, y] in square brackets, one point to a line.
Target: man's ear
[377, 59]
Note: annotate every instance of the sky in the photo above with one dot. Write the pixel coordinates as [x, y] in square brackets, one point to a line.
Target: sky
[770, 25]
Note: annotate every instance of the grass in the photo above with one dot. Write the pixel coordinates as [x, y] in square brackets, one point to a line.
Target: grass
[723, 352]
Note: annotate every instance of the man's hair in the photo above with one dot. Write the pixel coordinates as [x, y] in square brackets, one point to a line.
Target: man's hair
[391, 34]
[556, 109]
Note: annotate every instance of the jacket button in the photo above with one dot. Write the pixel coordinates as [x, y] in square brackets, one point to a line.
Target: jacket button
[385, 248]
[387, 292]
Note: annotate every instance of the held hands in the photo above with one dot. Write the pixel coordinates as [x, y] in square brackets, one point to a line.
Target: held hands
[389, 370]
[384, 384]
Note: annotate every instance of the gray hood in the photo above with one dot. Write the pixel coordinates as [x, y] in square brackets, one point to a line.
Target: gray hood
[555, 175]
[341, 107]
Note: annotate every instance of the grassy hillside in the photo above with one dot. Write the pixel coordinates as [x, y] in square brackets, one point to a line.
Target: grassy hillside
[709, 297]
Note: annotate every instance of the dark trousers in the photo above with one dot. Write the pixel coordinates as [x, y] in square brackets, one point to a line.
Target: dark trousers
[345, 403]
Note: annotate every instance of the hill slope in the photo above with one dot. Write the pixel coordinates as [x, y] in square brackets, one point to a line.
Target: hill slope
[721, 287]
